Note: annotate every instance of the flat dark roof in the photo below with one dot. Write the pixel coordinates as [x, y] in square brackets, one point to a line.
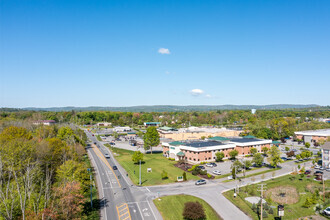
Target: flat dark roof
[198, 144]
[244, 140]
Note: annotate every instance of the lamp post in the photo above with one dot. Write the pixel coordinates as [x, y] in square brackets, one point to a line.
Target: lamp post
[140, 174]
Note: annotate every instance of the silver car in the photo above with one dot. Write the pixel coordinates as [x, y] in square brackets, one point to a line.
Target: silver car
[200, 182]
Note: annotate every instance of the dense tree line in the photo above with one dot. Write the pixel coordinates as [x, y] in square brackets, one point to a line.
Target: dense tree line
[42, 172]
[274, 124]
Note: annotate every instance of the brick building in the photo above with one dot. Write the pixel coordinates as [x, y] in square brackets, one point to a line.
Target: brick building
[205, 150]
[313, 136]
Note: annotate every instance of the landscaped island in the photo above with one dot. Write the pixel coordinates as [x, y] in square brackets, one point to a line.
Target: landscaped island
[172, 207]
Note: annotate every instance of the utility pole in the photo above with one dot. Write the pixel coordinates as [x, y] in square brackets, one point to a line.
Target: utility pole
[140, 174]
[261, 189]
[323, 188]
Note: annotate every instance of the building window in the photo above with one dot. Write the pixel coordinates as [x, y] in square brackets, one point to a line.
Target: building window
[198, 159]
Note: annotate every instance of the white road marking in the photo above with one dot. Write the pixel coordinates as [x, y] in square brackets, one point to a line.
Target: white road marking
[140, 210]
[147, 189]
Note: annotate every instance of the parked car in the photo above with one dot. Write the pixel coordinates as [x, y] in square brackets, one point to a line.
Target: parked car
[115, 168]
[317, 167]
[107, 155]
[216, 172]
[230, 177]
[284, 158]
[316, 172]
[92, 134]
[201, 167]
[321, 168]
[209, 165]
[328, 169]
[307, 172]
[200, 182]
[214, 164]
[327, 211]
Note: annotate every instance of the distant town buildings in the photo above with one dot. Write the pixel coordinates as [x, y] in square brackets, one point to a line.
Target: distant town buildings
[326, 155]
[156, 124]
[121, 129]
[195, 133]
[105, 124]
[45, 122]
[313, 136]
[205, 150]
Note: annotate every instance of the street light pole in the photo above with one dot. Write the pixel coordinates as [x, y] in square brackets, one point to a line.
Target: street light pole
[90, 177]
[140, 174]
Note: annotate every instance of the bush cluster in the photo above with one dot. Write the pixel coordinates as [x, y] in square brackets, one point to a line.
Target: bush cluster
[193, 211]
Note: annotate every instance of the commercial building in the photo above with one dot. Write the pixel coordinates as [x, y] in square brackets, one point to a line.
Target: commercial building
[45, 122]
[121, 129]
[105, 124]
[313, 136]
[205, 150]
[195, 133]
[155, 124]
[326, 155]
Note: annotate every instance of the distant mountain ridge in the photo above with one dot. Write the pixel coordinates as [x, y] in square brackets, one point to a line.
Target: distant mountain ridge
[170, 108]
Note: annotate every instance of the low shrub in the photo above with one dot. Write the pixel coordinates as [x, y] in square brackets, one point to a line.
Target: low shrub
[184, 175]
[193, 211]
[164, 175]
[194, 172]
[209, 176]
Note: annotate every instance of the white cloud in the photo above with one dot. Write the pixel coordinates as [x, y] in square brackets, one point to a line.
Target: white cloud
[208, 96]
[196, 92]
[164, 51]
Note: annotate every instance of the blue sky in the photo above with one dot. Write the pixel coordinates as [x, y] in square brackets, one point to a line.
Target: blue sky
[125, 53]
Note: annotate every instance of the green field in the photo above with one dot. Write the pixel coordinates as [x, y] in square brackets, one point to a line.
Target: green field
[171, 207]
[156, 162]
[292, 211]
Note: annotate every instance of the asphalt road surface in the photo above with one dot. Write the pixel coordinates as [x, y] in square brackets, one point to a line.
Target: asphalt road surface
[120, 199]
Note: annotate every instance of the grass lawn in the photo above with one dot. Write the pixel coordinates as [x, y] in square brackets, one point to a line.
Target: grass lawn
[254, 174]
[292, 211]
[98, 137]
[171, 207]
[156, 162]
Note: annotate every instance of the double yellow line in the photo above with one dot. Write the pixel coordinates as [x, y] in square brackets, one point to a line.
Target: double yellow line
[101, 156]
[123, 212]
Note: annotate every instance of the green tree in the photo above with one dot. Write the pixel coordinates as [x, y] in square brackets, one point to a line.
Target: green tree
[233, 172]
[233, 154]
[137, 156]
[253, 151]
[287, 148]
[115, 135]
[275, 156]
[307, 144]
[220, 156]
[247, 164]
[265, 150]
[73, 171]
[258, 159]
[298, 156]
[164, 175]
[151, 138]
[184, 175]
